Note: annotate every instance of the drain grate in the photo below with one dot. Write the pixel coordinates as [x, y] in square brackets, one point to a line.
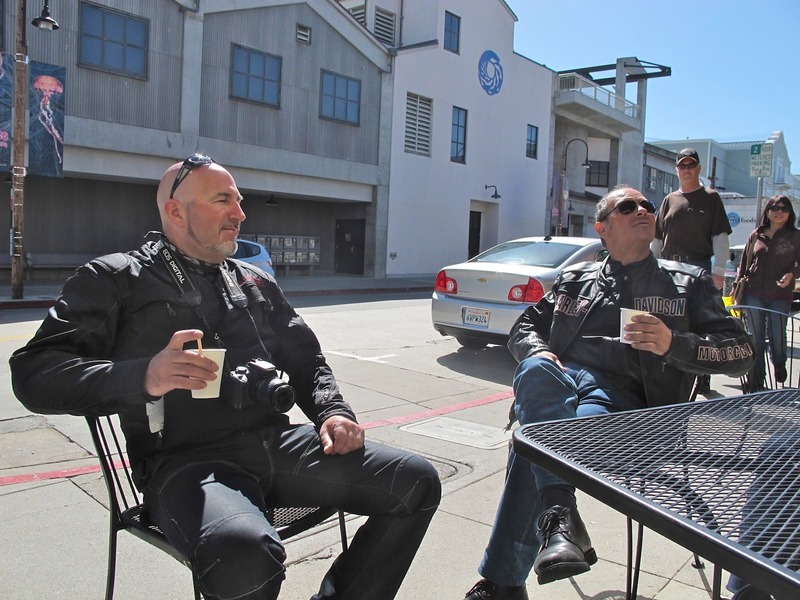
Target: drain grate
[462, 432]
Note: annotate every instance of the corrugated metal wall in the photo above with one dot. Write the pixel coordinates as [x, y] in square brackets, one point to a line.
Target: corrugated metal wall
[296, 126]
[94, 94]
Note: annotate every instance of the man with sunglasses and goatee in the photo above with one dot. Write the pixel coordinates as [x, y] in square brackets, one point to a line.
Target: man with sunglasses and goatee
[574, 363]
[119, 340]
[692, 226]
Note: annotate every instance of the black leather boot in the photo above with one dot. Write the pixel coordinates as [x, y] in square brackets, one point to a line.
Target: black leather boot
[566, 548]
[487, 590]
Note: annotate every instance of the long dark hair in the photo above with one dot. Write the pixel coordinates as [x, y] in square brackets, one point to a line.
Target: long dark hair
[783, 200]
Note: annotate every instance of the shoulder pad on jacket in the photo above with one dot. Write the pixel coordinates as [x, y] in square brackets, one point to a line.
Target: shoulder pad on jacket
[114, 262]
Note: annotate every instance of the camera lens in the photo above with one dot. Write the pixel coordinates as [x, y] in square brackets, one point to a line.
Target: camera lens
[277, 394]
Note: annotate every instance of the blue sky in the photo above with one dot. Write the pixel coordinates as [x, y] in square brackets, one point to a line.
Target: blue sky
[734, 62]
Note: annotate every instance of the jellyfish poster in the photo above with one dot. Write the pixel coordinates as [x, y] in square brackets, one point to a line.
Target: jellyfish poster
[46, 119]
[6, 93]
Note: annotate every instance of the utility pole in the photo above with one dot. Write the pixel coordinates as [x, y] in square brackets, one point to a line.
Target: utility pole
[18, 160]
[713, 177]
[18, 170]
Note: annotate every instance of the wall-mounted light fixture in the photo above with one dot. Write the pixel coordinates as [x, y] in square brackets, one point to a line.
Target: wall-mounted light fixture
[271, 202]
[45, 21]
[495, 196]
[586, 164]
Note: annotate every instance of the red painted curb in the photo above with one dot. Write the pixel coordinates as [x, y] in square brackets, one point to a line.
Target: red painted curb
[419, 416]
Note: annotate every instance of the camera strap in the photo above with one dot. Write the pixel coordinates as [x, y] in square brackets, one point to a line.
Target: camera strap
[190, 293]
[193, 296]
[179, 275]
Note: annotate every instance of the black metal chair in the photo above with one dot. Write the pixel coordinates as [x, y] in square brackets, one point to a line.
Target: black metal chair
[128, 513]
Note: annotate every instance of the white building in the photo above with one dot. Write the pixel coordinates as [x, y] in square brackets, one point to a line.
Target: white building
[471, 138]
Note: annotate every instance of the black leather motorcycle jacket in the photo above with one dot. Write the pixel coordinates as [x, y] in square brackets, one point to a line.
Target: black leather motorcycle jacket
[90, 355]
[705, 337]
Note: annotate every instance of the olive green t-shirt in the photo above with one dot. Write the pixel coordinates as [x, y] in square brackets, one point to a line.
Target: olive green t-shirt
[688, 222]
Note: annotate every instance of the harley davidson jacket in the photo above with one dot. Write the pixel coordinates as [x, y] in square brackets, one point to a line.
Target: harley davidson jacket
[705, 337]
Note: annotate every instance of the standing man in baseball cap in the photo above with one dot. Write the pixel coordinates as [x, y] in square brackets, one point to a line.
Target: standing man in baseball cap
[692, 226]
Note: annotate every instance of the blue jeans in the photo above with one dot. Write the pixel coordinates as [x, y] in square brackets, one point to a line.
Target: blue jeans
[210, 502]
[543, 392]
[764, 323]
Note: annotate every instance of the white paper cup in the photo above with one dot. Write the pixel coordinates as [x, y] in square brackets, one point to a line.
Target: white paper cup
[625, 315]
[212, 388]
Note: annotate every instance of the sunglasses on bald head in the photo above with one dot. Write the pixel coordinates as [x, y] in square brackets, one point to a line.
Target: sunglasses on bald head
[190, 164]
[626, 207]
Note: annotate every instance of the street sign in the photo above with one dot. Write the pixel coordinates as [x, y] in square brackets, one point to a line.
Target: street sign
[761, 160]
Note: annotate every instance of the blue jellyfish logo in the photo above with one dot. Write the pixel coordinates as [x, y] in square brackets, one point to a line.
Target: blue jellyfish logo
[490, 72]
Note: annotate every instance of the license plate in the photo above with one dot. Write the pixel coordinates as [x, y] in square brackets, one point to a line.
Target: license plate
[478, 317]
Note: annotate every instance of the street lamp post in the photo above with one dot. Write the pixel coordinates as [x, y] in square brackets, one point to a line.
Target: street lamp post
[564, 182]
[18, 169]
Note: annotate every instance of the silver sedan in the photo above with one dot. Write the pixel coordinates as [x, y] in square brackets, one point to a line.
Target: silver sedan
[478, 301]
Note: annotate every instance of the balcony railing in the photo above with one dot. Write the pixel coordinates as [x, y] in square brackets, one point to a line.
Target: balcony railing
[573, 81]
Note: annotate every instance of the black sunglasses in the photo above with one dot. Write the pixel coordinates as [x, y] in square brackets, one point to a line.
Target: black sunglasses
[626, 207]
[191, 163]
[779, 207]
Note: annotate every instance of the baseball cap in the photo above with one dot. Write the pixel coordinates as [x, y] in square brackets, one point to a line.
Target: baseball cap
[687, 153]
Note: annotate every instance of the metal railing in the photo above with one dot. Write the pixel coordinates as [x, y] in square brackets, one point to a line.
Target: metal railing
[763, 374]
[575, 82]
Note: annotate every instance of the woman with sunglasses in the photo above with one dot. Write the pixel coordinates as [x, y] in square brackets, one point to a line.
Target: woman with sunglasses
[771, 260]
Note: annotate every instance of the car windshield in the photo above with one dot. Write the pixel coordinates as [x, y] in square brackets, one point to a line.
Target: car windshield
[244, 250]
[535, 254]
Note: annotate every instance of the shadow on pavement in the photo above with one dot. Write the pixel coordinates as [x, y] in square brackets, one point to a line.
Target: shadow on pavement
[493, 363]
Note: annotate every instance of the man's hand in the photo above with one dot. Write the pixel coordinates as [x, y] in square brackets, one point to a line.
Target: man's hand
[648, 332]
[719, 280]
[340, 435]
[549, 355]
[177, 369]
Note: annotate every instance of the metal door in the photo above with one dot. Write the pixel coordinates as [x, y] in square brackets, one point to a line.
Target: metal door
[349, 254]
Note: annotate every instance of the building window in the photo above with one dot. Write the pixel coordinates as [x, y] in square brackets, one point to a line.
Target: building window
[256, 76]
[385, 26]
[113, 41]
[532, 142]
[668, 183]
[452, 32]
[458, 136]
[303, 33]
[652, 178]
[597, 176]
[419, 119]
[341, 98]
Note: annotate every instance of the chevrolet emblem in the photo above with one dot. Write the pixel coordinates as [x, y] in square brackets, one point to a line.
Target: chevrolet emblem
[482, 279]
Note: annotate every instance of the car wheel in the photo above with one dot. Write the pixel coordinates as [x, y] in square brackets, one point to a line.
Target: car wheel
[471, 343]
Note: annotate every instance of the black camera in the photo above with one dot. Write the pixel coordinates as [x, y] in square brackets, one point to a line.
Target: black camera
[258, 383]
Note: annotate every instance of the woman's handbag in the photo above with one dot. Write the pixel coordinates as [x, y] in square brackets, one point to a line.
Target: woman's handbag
[739, 288]
[740, 285]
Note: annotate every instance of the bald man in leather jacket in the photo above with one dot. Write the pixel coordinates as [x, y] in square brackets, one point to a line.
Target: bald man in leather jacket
[118, 340]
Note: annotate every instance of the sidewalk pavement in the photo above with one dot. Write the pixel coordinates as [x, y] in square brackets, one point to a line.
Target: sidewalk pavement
[41, 294]
[54, 521]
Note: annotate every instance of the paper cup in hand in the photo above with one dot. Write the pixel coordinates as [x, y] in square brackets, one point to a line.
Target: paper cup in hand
[212, 387]
[625, 315]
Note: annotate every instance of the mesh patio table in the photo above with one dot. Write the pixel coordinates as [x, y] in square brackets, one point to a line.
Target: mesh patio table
[719, 477]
